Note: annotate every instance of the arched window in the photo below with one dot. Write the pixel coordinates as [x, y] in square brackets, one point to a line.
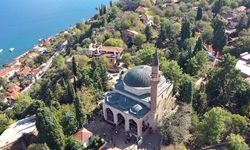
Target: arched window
[110, 115]
[133, 126]
[121, 120]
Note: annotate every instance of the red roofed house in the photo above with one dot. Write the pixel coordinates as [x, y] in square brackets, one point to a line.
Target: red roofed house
[113, 53]
[85, 136]
[13, 91]
[8, 72]
[25, 71]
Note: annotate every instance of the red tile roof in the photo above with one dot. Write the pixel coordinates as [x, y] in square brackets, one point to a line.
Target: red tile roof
[14, 91]
[111, 49]
[5, 71]
[83, 135]
[14, 88]
[26, 70]
[35, 71]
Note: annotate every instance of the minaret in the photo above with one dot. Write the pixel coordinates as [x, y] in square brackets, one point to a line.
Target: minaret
[154, 81]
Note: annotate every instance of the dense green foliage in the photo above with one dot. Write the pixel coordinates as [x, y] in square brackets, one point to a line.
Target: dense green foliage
[49, 130]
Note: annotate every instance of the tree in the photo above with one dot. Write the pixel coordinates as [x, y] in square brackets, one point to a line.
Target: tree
[74, 66]
[212, 127]
[33, 107]
[217, 7]
[70, 92]
[175, 129]
[104, 76]
[224, 82]
[236, 142]
[127, 59]
[198, 65]
[4, 122]
[239, 123]
[38, 146]
[139, 40]
[199, 14]
[186, 92]
[114, 42]
[168, 33]
[23, 101]
[243, 43]
[200, 101]
[49, 130]
[198, 46]
[220, 37]
[218, 4]
[73, 144]
[148, 32]
[69, 123]
[172, 71]
[185, 30]
[58, 62]
[207, 34]
[146, 55]
[80, 115]
[243, 23]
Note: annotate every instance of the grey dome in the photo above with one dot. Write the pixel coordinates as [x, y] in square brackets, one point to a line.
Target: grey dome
[139, 76]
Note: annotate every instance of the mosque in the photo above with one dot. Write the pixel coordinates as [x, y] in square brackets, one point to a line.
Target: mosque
[140, 99]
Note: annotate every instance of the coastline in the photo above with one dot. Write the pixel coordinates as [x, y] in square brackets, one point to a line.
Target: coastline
[23, 33]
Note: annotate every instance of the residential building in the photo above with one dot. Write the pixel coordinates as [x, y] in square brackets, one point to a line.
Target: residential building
[8, 72]
[140, 99]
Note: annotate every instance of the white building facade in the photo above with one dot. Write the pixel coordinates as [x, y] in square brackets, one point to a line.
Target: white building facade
[137, 100]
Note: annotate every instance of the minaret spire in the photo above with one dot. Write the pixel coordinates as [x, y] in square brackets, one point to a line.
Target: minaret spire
[154, 81]
[156, 58]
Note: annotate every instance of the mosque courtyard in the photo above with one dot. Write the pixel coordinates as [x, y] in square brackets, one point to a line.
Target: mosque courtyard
[118, 139]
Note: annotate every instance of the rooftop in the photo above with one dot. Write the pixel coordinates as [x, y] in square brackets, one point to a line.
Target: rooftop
[83, 135]
[120, 86]
[5, 71]
[26, 70]
[111, 49]
[127, 105]
[139, 76]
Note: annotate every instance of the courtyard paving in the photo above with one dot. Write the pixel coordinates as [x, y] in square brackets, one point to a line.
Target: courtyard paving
[116, 136]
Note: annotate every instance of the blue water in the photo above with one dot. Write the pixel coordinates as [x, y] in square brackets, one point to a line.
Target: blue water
[23, 22]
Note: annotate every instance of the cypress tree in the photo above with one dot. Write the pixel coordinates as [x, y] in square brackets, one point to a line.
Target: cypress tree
[198, 46]
[199, 14]
[74, 66]
[185, 30]
[148, 32]
[49, 130]
[80, 116]
[104, 76]
[71, 91]
[186, 92]
[220, 37]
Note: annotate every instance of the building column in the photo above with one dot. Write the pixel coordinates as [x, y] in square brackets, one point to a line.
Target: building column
[126, 124]
[139, 128]
[115, 118]
[104, 113]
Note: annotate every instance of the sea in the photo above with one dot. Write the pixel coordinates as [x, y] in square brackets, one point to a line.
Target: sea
[23, 22]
